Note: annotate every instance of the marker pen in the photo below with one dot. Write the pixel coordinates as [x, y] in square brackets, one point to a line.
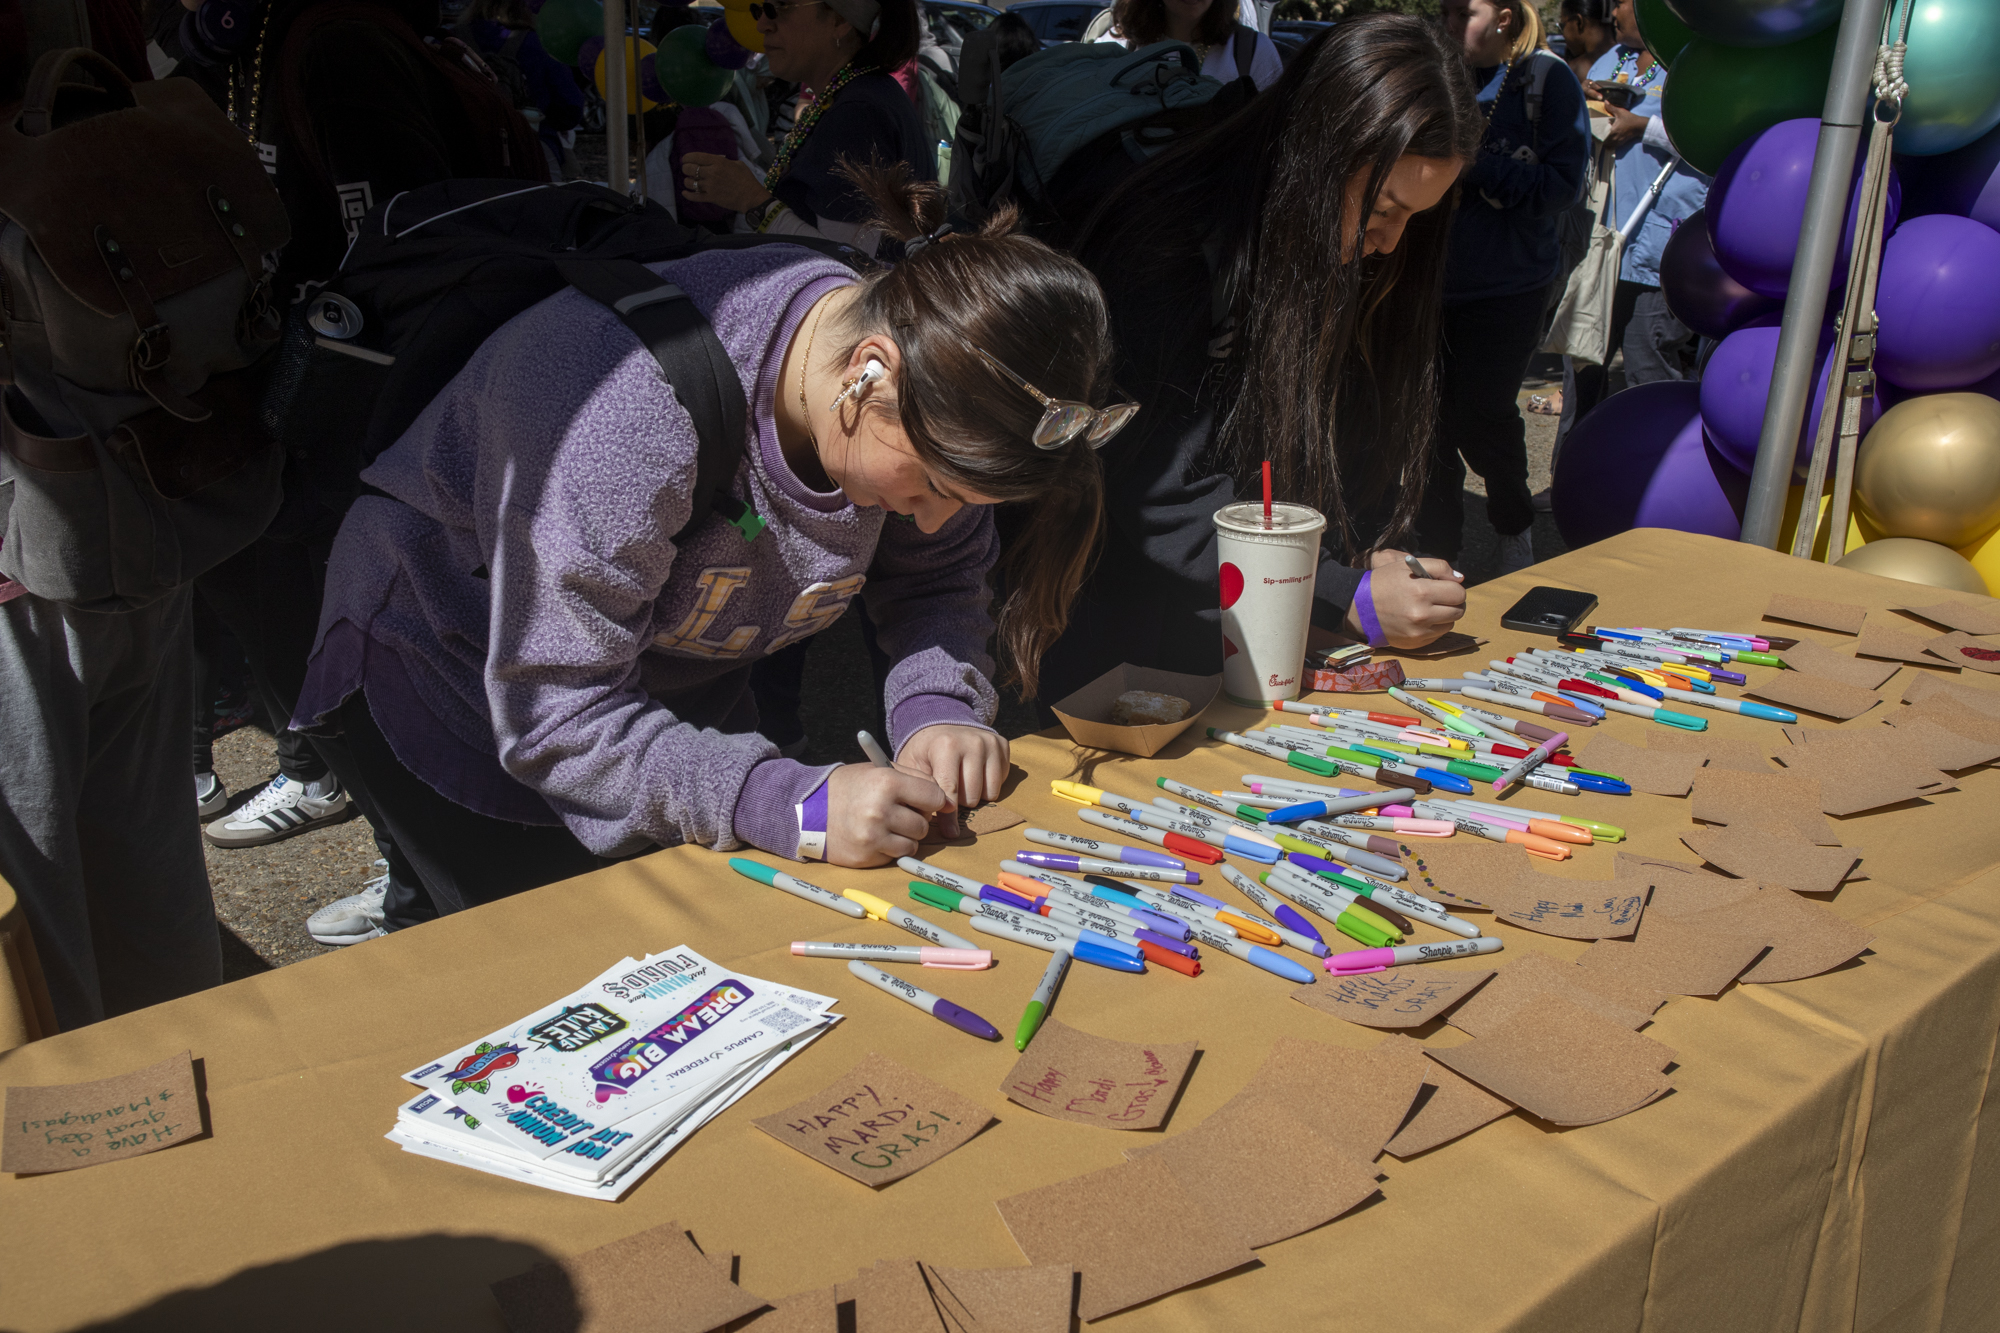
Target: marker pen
[1387, 897]
[1257, 956]
[1516, 695]
[1528, 731]
[1040, 931]
[1409, 828]
[1090, 864]
[1602, 832]
[1329, 902]
[1110, 851]
[1187, 828]
[1743, 706]
[1249, 829]
[1437, 713]
[1528, 764]
[795, 886]
[962, 1019]
[1486, 828]
[1360, 849]
[1358, 961]
[1555, 830]
[1200, 915]
[1297, 758]
[1191, 848]
[1209, 800]
[904, 919]
[960, 959]
[1043, 999]
[1320, 807]
[1297, 931]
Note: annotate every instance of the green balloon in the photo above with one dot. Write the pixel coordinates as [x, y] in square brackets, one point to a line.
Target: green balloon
[686, 73]
[1953, 68]
[564, 26]
[1664, 33]
[1718, 95]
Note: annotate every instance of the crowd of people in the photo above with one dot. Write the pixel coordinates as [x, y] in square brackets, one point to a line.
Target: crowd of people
[526, 652]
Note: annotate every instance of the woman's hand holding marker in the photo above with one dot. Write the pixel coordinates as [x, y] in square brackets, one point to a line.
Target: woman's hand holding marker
[969, 763]
[1412, 611]
[874, 815]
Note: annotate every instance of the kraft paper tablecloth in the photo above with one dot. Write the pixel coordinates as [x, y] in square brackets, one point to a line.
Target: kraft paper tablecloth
[1830, 1159]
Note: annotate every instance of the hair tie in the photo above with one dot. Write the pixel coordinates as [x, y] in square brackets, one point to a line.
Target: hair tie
[916, 243]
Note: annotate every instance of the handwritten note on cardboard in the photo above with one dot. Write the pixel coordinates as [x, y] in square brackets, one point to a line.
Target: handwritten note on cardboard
[72, 1125]
[878, 1122]
[1402, 997]
[1088, 1080]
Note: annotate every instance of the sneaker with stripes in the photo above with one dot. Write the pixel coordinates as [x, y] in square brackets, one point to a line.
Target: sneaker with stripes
[285, 807]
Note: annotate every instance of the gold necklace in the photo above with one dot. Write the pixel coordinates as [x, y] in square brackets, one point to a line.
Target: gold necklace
[256, 82]
[812, 437]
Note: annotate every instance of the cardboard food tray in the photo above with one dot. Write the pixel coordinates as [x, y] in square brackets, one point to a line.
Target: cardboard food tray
[1082, 713]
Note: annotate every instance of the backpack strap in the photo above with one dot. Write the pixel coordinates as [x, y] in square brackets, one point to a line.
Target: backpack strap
[692, 360]
[1245, 49]
[1537, 80]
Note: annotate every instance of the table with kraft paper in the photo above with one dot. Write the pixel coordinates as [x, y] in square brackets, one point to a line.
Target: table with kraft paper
[1830, 1158]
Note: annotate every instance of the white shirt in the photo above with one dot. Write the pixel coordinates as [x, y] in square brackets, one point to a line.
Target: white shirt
[1265, 66]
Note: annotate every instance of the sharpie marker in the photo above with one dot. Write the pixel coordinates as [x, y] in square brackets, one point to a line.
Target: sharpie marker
[1343, 907]
[1522, 730]
[1743, 706]
[1438, 713]
[1664, 716]
[1296, 930]
[1311, 763]
[1409, 828]
[1190, 848]
[1531, 762]
[1601, 832]
[1210, 800]
[964, 960]
[1352, 848]
[904, 919]
[1553, 706]
[1158, 819]
[1333, 710]
[1043, 999]
[812, 893]
[1389, 898]
[1037, 931]
[1358, 961]
[1081, 865]
[1217, 920]
[1256, 955]
[1487, 828]
[1554, 830]
[1096, 895]
[962, 1019]
[1109, 851]
[1214, 820]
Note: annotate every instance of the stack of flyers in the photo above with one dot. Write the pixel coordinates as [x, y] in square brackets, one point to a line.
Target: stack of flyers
[587, 1094]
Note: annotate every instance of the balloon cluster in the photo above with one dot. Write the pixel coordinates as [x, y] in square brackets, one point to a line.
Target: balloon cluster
[693, 65]
[1747, 79]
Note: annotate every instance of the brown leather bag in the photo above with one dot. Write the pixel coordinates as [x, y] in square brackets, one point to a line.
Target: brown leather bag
[137, 237]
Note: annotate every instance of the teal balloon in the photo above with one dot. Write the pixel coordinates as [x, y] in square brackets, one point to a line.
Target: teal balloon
[1953, 69]
[1717, 96]
[1664, 33]
[686, 73]
[564, 25]
[1757, 22]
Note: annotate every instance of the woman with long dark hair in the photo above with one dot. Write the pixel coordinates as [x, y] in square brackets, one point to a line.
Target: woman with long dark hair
[1274, 289]
[538, 667]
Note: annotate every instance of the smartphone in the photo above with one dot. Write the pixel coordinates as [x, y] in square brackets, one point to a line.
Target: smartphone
[1550, 610]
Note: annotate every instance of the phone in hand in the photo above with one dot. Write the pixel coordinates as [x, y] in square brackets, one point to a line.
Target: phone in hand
[1550, 611]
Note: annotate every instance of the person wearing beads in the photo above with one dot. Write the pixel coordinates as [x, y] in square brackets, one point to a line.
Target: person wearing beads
[1274, 288]
[537, 677]
[839, 50]
[1211, 27]
[1532, 165]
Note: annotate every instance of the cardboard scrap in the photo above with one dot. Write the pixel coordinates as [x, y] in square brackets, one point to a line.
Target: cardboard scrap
[1960, 691]
[1132, 1230]
[1981, 617]
[66, 1126]
[1679, 888]
[1770, 857]
[1943, 749]
[893, 1297]
[1770, 800]
[1879, 640]
[1035, 1299]
[616, 1288]
[808, 1312]
[1530, 975]
[878, 1122]
[1805, 938]
[1449, 1107]
[1089, 1080]
[992, 818]
[1814, 694]
[1837, 616]
[1459, 868]
[1855, 773]
[1353, 1099]
[1402, 997]
[1672, 956]
[1817, 660]
[1719, 752]
[1962, 650]
[1564, 1064]
[1225, 1164]
[1654, 771]
[1913, 751]
[1571, 909]
[1951, 714]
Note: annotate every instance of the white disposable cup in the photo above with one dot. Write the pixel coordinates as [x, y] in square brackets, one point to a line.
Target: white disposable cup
[1265, 577]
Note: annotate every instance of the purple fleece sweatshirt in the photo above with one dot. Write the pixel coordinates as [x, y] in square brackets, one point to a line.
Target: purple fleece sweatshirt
[535, 647]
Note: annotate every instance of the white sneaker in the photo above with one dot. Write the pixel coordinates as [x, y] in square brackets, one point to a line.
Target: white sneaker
[283, 808]
[352, 919]
[1518, 551]
[211, 798]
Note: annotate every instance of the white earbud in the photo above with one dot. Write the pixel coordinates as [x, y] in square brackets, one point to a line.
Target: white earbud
[870, 373]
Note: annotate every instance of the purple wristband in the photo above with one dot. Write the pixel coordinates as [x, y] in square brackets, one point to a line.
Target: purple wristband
[1364, 610]
[812, 825]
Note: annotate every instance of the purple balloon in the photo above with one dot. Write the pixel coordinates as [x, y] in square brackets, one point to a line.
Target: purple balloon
[1736, 384]
[1699, 293]
[724, 51]
[1965, 181]
[1758, 204]
[1938, 303]
[649, 82]
[1639, 460]
[587, 54]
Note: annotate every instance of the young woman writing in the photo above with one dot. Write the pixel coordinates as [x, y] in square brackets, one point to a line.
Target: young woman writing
[1274, 289]
[536, 676]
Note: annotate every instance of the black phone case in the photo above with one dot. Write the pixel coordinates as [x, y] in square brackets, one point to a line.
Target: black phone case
[1550, 611]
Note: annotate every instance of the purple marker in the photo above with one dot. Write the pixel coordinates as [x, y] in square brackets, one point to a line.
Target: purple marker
[1182, 948]
[989, 894]
[1090, 865]
[1109, 851]
[1295, 923]
[962, 1019]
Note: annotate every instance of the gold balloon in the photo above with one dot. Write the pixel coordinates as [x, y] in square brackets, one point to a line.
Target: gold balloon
[1984, 553]
[1930, 468]
[1915, 561]
[637, 49]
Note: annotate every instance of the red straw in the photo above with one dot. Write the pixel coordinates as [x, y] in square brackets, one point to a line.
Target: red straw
[1267, 492]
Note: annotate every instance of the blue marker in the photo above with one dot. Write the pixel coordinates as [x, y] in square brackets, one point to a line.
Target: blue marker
[1256, 955]
[1592, 782]
[1425, 767]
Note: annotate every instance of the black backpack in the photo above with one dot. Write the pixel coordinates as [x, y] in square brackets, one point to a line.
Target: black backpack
[433, 273]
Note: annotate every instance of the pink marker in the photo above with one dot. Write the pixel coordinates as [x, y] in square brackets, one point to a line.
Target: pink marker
[1359, 961]
[1532, 761]
[1415, 828]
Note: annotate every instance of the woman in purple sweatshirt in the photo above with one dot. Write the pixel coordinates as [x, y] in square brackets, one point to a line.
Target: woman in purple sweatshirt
[535, 678]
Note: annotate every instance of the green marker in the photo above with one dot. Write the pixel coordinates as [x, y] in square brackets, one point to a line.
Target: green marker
[1350, 919]
[1043, 999]
[1760, 659]
[795, 886]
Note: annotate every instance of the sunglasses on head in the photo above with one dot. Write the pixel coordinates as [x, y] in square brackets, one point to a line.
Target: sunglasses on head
[759, 12]
[1065, 419]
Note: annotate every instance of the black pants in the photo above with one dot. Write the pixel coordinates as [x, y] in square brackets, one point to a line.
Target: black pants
[1487, 347]
[460, 858]
[267, 595]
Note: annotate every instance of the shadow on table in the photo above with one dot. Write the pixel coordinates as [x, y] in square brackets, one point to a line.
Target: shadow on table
[371, 1284]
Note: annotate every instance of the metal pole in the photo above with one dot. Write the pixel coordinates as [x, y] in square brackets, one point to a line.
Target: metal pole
[618, 170]
[1840, 126]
